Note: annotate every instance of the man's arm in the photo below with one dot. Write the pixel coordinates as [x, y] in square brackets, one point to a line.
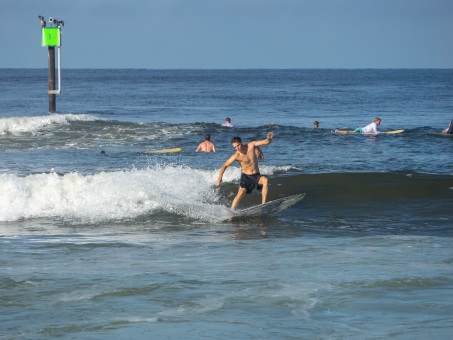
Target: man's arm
[375, 130]
[259, 153]
[223, 168]
[266, 141]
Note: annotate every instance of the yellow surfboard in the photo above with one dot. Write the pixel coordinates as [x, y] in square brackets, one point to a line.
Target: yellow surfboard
[345, 132]
[152, 152]
[394, 132]
[440, 134]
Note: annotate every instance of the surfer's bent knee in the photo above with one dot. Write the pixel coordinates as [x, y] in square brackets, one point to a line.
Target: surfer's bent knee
[264, 181]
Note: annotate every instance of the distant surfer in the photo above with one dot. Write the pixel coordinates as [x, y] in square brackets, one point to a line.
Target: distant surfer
[370, 128]
[449, 129]
[315, 124]
[228, 123]
[250, 178]
[206, 145]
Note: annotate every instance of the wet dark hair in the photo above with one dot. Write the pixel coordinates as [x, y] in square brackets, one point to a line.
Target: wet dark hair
[236, 140]
[207, 137]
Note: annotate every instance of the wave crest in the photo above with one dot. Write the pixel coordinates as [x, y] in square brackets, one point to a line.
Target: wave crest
[18, 125]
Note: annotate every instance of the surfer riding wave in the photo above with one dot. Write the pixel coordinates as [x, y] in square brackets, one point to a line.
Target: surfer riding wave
[250, 179]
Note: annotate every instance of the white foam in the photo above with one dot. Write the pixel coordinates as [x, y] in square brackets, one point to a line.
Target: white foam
[134, 319]
[18, 125]
[112, 195]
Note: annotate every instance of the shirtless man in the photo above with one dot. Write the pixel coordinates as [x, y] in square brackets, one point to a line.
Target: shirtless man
[250, 179]
[207, 145]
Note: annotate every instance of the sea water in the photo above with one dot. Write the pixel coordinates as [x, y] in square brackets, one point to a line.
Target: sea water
[98, 240]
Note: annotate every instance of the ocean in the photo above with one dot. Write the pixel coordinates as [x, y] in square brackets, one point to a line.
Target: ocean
[99, 240]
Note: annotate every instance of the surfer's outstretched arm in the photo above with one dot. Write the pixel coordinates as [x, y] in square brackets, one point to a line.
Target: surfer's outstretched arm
[225, 165]
[266, 141]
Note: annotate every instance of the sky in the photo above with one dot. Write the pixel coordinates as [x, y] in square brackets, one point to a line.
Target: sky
[232, 34]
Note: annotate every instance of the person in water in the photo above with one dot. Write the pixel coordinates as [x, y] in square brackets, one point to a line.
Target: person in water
[250, 178]
[206, 145]
[315, 124]
[370, 128]
[227, 123]
[449, 129]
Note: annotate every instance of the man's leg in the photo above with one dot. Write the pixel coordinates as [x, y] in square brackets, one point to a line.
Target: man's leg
[342, 132]
[240, 195]
[265, 183]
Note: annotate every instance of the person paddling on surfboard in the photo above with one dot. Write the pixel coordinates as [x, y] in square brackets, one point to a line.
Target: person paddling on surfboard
[370, 128]
[228, 123]
[250, 178]
[449, 129]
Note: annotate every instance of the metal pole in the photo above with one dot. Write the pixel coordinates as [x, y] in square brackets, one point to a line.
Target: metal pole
[52, 97]
[59, 71]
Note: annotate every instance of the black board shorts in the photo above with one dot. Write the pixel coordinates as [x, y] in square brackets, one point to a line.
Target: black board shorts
[250, 182]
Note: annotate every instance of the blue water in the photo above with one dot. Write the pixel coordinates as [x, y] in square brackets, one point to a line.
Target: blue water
[98, 240]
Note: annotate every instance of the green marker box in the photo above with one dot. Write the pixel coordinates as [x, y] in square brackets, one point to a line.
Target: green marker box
[50, 36]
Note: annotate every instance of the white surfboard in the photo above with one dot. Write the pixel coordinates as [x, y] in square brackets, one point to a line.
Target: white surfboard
[268, 208]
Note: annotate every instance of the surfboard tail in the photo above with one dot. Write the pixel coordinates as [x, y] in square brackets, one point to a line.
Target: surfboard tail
[270, 207]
